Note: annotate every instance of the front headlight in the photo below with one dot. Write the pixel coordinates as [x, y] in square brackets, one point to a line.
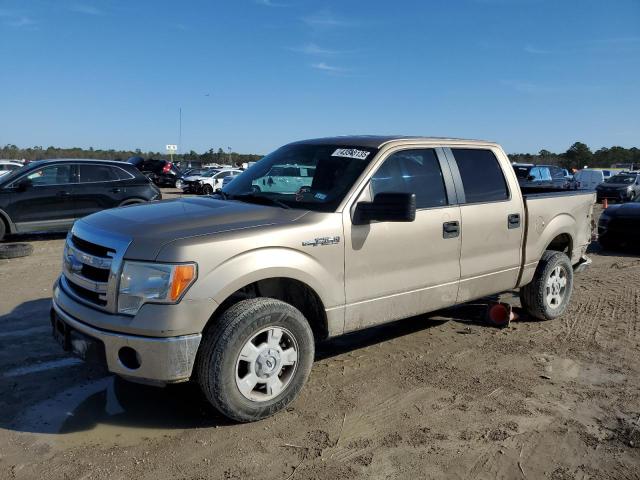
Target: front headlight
[142, 283]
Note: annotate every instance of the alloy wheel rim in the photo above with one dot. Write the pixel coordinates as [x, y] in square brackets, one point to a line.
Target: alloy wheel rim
[266, 364]
[556, 287]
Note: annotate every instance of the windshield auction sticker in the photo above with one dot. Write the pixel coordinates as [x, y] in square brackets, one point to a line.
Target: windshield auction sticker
[350, 153]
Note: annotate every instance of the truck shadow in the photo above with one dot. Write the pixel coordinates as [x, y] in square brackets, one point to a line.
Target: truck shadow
[81, 399]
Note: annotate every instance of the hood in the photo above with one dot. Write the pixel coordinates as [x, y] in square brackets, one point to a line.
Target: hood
[150, 226]
[193, 178]
[631, 209]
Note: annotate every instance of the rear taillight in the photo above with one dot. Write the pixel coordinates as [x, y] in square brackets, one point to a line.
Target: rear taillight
[167, 168]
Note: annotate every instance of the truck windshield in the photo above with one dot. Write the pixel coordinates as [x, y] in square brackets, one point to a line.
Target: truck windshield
[305, 176]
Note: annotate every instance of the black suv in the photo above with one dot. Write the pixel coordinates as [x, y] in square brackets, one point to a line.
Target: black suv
[49, 195]
[161, 172]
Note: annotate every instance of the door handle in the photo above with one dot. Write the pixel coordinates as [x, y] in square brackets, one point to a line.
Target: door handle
[513, 220]
[115, 190]
[64, 193]
[450, 229]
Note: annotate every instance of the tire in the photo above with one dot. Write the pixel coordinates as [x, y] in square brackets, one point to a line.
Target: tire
[220, 369]
[207, 189]
[538, 298]
[15, 250]
[255, 188]
[3, 229]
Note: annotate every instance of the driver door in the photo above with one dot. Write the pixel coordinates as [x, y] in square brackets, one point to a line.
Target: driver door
[47, 203]
[397, 270]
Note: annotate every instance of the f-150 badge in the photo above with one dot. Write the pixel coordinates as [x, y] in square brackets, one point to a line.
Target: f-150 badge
[318, 242]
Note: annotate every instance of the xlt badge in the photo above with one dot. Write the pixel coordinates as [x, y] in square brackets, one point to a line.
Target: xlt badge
[317, 242]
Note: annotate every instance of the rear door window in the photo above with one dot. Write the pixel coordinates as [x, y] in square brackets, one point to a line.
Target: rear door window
[412, 171]
[481, 174]
[97, 173]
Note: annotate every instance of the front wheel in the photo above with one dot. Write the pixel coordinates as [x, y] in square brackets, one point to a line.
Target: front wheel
[547, 296]
[207, 189]
[255, 358]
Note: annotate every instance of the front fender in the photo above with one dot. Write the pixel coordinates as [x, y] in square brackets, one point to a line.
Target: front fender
[270, 262]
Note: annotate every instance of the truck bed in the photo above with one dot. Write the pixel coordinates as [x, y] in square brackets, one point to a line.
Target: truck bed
[549, 212]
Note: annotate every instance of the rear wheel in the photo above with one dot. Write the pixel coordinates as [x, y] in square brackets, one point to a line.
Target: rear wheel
[547, 296]
[255, 358]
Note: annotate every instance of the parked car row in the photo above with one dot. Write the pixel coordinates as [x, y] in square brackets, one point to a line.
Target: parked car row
[610, 184]
[206, 182]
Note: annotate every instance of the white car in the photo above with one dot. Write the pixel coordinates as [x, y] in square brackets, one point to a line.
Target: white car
[211, 183]
[285, 179]
[8, 166]
[590, 178]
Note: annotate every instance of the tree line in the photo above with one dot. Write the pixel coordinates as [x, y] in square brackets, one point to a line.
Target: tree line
[577, 156]
[30, 154]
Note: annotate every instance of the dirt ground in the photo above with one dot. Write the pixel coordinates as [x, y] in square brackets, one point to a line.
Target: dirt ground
[428, 397]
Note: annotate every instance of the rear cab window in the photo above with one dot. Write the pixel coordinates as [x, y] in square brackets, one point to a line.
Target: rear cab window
[481, 174]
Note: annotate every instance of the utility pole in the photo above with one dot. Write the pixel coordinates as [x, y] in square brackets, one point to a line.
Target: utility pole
[229, 148]
[180, 131]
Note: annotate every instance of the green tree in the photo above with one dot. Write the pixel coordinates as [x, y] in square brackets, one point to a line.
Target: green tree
[578, 155]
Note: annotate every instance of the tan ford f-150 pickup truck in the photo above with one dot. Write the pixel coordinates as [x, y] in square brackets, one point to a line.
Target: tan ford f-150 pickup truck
[233, 290]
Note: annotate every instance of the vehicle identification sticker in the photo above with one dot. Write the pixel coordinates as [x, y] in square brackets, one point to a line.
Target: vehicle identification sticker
[351, 153]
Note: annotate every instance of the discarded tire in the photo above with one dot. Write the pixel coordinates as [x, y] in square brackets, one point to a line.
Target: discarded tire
[15, 250]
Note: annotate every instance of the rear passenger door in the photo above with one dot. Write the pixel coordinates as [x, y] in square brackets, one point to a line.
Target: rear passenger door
[396, 270]
[99, 188]
[492, 223]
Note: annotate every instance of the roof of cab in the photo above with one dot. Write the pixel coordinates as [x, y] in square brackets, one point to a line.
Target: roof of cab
[377, 141]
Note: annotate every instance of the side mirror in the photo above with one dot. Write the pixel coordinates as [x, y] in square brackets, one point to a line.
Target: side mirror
[530, 178]
[24, 184]
[386, 207]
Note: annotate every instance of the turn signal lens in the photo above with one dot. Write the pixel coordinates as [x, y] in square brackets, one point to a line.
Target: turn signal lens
[183, 275]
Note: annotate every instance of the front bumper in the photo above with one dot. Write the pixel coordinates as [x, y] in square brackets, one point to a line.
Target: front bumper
[158, 360]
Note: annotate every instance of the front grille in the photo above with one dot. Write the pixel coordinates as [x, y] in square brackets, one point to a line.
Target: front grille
[95, 274]
[87, 294]
[87, 270]
[91, 248]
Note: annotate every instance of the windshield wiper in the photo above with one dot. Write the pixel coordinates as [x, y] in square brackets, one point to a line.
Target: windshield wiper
[260, 199]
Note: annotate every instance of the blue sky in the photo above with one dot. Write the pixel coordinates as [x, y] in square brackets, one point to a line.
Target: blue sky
[254, 74]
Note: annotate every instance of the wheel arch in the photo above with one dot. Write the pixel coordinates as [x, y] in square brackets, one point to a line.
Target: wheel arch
[290, 290]
[4, 217]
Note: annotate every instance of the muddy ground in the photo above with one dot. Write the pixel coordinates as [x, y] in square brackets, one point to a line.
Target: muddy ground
[428, 397]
